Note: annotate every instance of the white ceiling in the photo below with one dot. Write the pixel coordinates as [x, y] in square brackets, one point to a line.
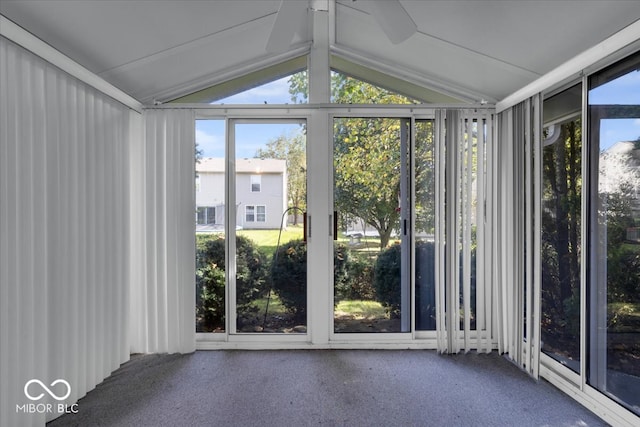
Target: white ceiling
[468, 50]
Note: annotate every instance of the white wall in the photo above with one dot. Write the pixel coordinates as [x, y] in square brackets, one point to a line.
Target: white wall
[272, 195]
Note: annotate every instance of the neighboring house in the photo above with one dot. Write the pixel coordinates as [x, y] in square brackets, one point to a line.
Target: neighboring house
[261, 193]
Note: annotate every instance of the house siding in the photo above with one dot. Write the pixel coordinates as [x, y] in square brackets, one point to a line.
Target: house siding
[272, 195]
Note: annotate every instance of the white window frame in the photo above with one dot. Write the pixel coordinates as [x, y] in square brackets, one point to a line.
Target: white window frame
[258, 213]
[256, 180]
[246, 213]
[255, 213]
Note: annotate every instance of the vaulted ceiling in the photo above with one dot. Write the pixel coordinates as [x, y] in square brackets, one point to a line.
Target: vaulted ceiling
[463, 51]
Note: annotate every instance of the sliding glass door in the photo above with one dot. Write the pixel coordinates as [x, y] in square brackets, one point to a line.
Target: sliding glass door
[614, 280]
[250, 184]
[371, 249]
[384, 224]
[561, 227]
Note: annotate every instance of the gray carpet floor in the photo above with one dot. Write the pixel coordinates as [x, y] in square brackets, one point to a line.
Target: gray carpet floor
[324, 388]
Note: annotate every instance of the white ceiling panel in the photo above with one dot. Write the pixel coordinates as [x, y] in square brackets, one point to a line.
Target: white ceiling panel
[106, 34]
[465, 49]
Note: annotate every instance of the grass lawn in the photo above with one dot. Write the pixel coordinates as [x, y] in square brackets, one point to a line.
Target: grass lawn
[625, 316]
[267, 240]
[360, 309]
[276, 308]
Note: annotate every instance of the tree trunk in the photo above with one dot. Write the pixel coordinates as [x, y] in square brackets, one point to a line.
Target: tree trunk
[385, 236]
[562, 229]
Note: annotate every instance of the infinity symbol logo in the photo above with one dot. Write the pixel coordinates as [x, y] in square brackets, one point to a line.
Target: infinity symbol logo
[45, 388]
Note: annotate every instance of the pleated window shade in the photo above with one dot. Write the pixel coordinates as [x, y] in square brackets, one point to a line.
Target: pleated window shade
[64, 233]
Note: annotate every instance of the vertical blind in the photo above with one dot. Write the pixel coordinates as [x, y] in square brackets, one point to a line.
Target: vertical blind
[64, 223]
[519, 257]
[163, 233]
[467, 195]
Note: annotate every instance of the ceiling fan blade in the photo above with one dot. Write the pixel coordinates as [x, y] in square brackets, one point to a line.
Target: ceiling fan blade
[393, 18]
[288, 18]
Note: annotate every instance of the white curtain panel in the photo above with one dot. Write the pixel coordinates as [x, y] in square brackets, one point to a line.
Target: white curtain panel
[466, 292]
[64, 237]
[163, 233]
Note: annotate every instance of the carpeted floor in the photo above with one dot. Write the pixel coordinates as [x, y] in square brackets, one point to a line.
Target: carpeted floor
[324, 387]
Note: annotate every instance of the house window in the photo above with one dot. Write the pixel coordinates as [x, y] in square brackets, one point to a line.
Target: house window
[197, 183]
[256, 213]
[205, 215]
[250, 213]
[256, 183]
[261, 213]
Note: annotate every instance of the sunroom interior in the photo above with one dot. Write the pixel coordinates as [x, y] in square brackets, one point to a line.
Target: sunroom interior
[468, 171]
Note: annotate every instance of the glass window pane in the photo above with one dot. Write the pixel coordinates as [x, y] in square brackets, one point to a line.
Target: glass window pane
[614, 287]
[561, 222]
[349, 90]
[271, 254]
[370, 251]
[425, 212]
[250, 214]
[210, 236]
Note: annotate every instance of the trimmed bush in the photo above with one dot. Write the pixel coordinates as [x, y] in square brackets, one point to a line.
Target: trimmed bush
[386, 282]
[386, 279]
[210, 280]
[360, 283]
[289, 275]
[342, 272]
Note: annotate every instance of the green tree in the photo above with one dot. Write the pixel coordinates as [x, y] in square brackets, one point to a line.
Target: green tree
[561, 202]
[366, 154]
[292, 149]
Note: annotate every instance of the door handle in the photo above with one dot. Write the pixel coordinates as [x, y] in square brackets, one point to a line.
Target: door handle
[304, 227]
[335, 225]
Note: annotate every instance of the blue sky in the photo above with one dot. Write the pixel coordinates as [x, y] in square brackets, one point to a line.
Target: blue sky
[210, 133]
[249, 137]
[624, 90]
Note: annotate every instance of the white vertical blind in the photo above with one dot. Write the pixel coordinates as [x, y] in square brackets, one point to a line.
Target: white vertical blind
[520, 159]
[163, 237]
[440, 232]
[465, 199]
[64, 223]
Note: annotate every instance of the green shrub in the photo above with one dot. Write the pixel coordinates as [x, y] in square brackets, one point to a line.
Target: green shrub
[386, 279]
[360, 283]
[251, 273]
[386, 282]
[623, 273]
[425, 286]
[289, 277]
[210, 296]
[353, 276]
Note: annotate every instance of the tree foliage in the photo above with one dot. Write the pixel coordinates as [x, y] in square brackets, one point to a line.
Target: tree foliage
[292, 149]
[561, 202]
[367, 158]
